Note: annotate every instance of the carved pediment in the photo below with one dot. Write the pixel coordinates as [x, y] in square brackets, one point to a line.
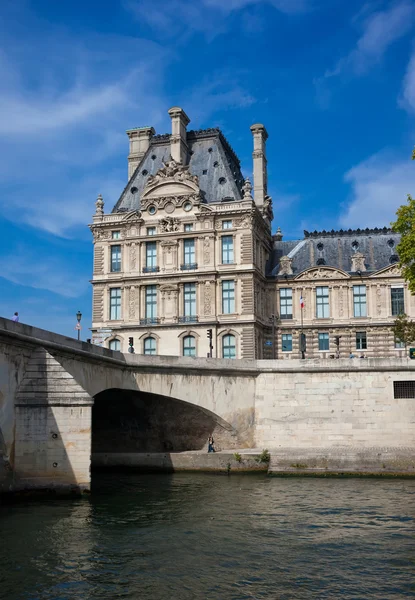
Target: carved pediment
[389, 271]
[169, 287]
[171, 180]
[322, 273]
[134, 215]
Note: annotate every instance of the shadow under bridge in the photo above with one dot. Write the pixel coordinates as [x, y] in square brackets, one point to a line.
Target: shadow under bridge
[132, 421]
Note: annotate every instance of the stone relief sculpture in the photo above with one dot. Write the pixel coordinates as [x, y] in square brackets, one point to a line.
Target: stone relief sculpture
[206, 250]
[131, 313]
[358, 262]
[133, 257]
[208, 299]
[172, 170]
[286, 266]
[169, 224]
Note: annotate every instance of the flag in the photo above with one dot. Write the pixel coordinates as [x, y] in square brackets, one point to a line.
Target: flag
[301, 301]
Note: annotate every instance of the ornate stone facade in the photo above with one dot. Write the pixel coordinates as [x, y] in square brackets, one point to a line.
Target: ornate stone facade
[188, 248]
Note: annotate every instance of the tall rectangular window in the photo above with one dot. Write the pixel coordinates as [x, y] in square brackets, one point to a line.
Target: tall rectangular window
[227, 250]
[323, 341]
[151, 255]
[189, 255]
[226, 224]
[151, 231]
[115, 259]
[397, 300]
[151, 302]
[286, 303]
[361, 340]
[287, 342]
[228, 297]
[359, 301]
[115, 304]
[115, 235]
[189, 292]
[322, 303]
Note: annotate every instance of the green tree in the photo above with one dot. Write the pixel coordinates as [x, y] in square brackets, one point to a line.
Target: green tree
[404, 329]
[405, 225]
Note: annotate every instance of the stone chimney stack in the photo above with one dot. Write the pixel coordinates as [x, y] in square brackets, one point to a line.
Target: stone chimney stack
[139, 144]
[260, 136]
[178, 142]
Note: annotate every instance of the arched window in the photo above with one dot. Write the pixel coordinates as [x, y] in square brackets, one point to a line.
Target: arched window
[228, 346]
[189, 346]
[115, 345]
[149, 346]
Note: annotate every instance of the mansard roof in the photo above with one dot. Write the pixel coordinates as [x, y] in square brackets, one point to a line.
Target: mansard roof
[210, 157]
[335, 249]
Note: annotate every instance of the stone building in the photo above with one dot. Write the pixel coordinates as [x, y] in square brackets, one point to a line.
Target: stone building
[188, 249]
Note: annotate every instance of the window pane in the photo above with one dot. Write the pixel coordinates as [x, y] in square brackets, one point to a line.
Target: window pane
[115, 303]
[189, 346]
[359, 300]
[226, 224]
[322, 303]
[151, 254]
[287, 342]
[115, 235]
[286, 303]
[115, 345]
[151, 302]
[189, 290]
[323, 341]
[188, 227]
[189, 251]
[115, 259]
[228, 297]
[399, 344]
[149, 346]
[361, 341]
[151, 231]
[228, 346]
[397, 299]
[227, 250]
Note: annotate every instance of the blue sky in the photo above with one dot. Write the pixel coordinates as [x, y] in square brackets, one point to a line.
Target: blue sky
[332, 80]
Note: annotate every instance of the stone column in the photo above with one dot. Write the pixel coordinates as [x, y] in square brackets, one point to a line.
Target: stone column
[260, 136]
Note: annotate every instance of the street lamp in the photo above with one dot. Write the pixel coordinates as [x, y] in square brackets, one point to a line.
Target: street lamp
[78, 325]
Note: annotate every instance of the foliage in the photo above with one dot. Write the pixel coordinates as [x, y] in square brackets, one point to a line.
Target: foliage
[405, 225]
[264, 457]
[404, 329]
[237, 457]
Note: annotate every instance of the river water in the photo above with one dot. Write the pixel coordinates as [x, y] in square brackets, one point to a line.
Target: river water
[198, 536]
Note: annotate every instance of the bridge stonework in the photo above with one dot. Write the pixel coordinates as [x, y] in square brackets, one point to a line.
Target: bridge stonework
[304, 412]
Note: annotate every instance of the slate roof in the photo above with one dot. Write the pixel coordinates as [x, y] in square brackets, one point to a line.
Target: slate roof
[211, 158]
[335, 248]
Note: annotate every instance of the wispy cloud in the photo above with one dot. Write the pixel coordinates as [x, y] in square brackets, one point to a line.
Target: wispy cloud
[380, 185]
[407, 99]
[204, 16]
[379, 30]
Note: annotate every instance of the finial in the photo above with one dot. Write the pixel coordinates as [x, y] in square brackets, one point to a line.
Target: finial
[247, 189]
[99, 206]
[278, 236]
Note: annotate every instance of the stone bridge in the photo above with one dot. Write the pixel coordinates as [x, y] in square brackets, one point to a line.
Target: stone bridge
[61, 399]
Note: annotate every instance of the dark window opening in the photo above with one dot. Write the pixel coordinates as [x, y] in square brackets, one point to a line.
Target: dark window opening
[145, 172]
[404, 389]
[394, 259]
[204, 172]
[320, 246]
[321, 261]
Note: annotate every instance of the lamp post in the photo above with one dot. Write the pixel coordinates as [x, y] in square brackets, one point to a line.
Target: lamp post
[78, 325]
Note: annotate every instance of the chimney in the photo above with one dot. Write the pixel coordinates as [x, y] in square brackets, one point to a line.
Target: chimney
[178, 143]
[139, 144]
[260, 136]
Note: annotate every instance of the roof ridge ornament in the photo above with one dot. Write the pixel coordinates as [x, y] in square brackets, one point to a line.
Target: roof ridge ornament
[172, 170]
[99, 210]
[247, 189]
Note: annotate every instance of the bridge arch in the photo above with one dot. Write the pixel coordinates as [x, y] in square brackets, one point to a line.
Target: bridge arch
[134, 421]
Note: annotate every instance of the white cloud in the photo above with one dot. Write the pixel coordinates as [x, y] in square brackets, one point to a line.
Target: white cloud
[379, 186]
[407, 99]
[206, 16]
[380, 30]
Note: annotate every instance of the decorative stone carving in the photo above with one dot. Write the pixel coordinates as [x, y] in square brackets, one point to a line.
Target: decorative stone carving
[358, 262]
[169, 224]
[134, 216]
[341, 305]
[393, 271]
[133, 257]
[207, 308]
[378, 300]
[285, 266]
[206, 250]
[172, 170]
[169, 208]
[242, 223]
[101, 234]
[322, 274]
[99, 206]
[247, 189]
[132, 301]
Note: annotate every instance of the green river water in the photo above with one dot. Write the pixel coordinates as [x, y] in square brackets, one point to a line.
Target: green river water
[199, 536]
